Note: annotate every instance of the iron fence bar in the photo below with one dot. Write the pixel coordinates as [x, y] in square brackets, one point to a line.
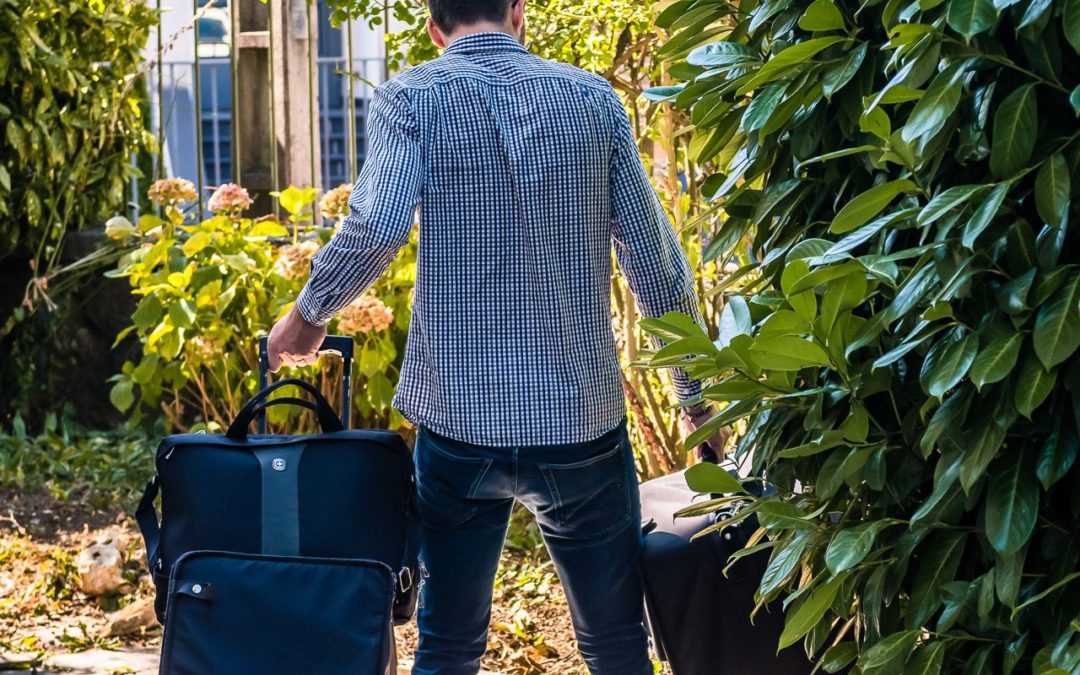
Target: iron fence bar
[159, 161]
[325, 127]
[312, 74]
[273, 108]
[215, 136]
[351, 145]
[198, 114]
[234, 70]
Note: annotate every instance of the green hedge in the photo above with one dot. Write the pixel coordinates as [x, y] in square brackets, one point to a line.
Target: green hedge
[69, 116]
[899, 184]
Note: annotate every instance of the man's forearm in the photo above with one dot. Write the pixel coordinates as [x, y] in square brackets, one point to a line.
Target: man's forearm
[338, 276]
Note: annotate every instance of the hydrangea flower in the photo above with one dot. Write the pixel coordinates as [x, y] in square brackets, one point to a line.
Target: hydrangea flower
[364, 315]
[335, 203]
[172, 191]
[229, 199]
[294, 260]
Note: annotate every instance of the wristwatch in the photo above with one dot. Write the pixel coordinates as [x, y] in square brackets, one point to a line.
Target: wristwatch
[697, 410]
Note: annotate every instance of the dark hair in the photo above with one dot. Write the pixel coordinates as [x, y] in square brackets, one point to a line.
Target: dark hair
[449, 14]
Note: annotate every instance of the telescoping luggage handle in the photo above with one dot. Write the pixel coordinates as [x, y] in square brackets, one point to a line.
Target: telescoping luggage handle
[333, 344]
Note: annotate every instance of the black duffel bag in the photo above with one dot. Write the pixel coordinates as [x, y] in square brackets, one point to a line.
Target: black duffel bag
[339, 495]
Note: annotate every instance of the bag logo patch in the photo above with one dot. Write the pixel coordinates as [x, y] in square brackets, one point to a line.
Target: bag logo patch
[278, 463]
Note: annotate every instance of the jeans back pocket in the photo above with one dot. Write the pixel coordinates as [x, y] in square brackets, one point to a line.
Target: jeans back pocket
[591, 496]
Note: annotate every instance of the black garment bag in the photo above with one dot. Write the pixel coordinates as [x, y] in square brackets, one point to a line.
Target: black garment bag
[699, 620]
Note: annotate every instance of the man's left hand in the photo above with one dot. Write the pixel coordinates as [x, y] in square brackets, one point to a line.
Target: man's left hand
[294, 342]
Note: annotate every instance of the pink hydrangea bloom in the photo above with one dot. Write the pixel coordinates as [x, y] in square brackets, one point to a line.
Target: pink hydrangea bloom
[229, 199]
[172, 191]
[335, 203]
[365, 314]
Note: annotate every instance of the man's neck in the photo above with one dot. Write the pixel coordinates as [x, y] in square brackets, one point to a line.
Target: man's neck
[481, 27]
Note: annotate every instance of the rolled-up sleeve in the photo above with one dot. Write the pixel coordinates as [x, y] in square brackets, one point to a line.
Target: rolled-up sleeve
[646, 246]
[382, 209]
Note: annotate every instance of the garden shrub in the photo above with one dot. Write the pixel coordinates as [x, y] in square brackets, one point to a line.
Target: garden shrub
[208, 290]
[899, 180]
[70, 117]
[99, 469]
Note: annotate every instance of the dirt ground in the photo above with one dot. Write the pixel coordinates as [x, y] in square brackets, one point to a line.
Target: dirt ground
[43, 612]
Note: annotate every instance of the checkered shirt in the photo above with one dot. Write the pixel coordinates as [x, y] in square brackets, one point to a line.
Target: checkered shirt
[524, 172]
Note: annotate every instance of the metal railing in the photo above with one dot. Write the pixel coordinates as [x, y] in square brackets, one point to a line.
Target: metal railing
[338, 153]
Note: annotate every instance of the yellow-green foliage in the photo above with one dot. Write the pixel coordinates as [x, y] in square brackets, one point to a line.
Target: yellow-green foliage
[208, 290]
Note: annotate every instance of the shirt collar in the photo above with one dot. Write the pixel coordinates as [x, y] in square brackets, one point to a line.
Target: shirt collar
[484, 43]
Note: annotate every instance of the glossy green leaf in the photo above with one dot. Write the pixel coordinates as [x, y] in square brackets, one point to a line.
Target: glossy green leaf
[984, 214]
[1052, 189]
[947, 363]
[1070, 22]
[1058, 454]
[809, 611]
[720, 54]
[1013, 138]
[996, 360]
[838, 75]
[1057, 328]
[838, 656]
[1012, 503]
[821, 15]
[928, 660]
[941, 98]
[707, 477]
[939, 559]
[1033, 385]
[794, 55]
[762, 106]
[893, 649]
[122, 395]
[783, 563]
[849, 547]
[865, 206]
[789, 353]
[946, 201]
[971, 17]
[1074, 97]
[775, 515]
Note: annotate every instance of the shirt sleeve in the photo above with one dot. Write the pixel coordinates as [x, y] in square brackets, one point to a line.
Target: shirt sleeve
[646, 246]
[381, 211]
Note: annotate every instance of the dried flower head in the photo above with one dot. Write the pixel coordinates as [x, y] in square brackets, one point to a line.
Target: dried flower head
[204, 349]
[172, 191]
[294, 260]
[229, 199]
[364, 315]
[335, 203]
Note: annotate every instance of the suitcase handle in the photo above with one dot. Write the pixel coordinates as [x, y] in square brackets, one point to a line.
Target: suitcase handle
[325, 412]
[341, 345]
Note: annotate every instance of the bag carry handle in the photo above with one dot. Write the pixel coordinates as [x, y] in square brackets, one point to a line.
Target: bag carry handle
[328, 420]
[342, 345]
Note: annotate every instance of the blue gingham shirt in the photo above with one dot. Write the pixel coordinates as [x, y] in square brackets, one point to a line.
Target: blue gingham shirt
[524, 171]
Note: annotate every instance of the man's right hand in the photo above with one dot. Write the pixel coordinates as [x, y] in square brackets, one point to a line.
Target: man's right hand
[293, 341]
[691, 419]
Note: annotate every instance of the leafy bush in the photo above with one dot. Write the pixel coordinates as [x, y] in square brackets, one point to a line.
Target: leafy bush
[102, 469]
[899, 184]
[210, 289]
[69, 115]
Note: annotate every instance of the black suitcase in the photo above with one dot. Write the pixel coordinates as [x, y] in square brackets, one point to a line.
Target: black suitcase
[699, 620]
[282, 553]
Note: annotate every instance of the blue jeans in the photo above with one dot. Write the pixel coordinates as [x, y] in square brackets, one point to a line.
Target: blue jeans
[585, 499]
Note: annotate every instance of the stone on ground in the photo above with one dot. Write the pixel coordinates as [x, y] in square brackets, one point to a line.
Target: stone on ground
[133, 618]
